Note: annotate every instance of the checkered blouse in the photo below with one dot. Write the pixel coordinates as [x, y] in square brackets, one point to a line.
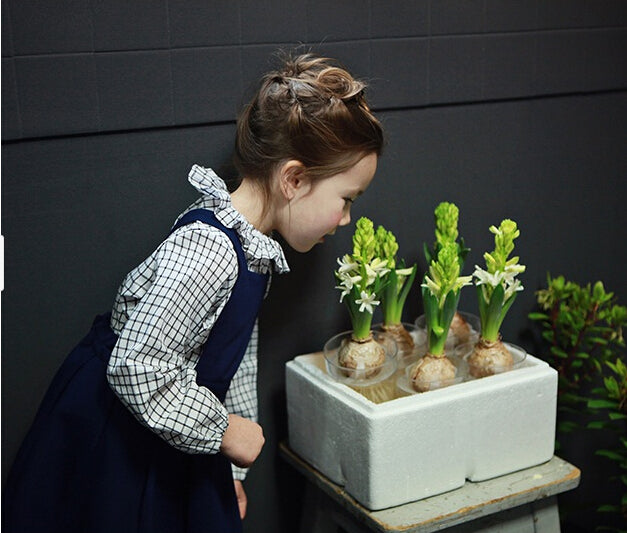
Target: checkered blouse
[163, 313]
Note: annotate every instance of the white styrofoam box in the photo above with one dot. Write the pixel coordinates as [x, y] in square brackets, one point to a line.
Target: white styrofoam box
[417, 446]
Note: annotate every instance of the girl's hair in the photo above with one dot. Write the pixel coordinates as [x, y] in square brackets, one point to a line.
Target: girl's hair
[310, 110]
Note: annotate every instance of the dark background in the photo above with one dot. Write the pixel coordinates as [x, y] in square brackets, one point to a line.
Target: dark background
[509, 108]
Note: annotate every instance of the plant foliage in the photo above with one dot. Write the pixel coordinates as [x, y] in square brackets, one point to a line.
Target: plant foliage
[582, 328]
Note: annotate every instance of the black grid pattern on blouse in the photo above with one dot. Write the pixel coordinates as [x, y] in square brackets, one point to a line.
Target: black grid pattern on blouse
[163, 313]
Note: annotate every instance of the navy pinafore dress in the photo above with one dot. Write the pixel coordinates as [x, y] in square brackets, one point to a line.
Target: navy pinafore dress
[88, 466]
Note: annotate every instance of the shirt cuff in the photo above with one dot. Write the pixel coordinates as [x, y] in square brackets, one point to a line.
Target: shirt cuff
[239, 473]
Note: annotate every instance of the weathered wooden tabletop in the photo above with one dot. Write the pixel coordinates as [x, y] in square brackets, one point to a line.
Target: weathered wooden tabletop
[472, 501]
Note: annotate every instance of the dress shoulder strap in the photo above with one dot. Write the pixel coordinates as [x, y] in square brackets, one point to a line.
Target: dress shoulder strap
[202, 215]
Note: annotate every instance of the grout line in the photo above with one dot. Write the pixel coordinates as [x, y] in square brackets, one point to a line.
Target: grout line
[428, 35]
[169, 32]
[488, 101]
[532, 98]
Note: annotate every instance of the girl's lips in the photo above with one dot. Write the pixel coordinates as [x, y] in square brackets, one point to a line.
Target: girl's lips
[328, 234]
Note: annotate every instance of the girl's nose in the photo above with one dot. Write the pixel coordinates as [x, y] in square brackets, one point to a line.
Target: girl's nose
[346, 218]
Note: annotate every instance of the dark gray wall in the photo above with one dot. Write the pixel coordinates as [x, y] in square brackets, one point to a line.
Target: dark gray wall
[509, 108]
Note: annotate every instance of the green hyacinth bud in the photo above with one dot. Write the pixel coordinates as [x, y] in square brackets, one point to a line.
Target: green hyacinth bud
[446, 218]
[387, 247]
[364, 242]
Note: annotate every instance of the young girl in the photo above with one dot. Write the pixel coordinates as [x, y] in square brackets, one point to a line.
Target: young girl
[152, 416]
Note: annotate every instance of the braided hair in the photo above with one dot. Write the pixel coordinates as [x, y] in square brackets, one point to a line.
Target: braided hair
[309, 110]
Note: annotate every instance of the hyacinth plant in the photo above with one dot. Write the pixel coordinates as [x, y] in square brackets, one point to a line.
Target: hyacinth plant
[497, 287]
[446, 216]
[360, 277]
[398, 282]
[441, 290]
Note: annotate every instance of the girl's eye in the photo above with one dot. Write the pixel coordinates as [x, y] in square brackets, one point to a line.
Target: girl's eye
[348, 201]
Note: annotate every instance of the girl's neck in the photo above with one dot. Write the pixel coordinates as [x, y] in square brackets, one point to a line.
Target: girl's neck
[249, 200]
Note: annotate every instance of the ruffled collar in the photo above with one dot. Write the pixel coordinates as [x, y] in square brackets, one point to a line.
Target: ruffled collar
[262, 252]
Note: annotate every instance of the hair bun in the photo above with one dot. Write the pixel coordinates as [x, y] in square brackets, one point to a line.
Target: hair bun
[340, 84]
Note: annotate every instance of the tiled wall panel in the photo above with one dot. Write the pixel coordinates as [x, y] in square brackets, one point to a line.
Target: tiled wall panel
[10, 110]
[272, 21]
[40, 27]
[330, 20]
[124, 25]
[6, 33]
[202, 23]
[394, 87]
[409, 18]
[134, 90]
[450, 17]
[509, 65]
[511, 15]
[57, 94]
[105, 65]
[456, 69]
[204, 90]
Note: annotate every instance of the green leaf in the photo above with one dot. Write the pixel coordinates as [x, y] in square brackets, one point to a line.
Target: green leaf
[609, 454]
[558, 352]
[597, 424]
[437, 330]
[608, 509]
[617, 416]
[427, 253]
[450, 306]
[496, 302]
[538, 316]
[612, 386]
[430, 304]
[567, 427]
[407, 286]
[602, 404]
[483, 306]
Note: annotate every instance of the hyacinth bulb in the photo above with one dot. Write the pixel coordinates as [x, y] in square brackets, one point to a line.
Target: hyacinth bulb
[489, 358]
[432, 372]
[364, 355]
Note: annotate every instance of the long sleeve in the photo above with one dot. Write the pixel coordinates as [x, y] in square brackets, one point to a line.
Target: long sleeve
[241, 398]
[152, 365]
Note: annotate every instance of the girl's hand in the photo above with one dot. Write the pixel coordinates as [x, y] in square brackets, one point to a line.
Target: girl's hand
[242, 500]
[242, 441]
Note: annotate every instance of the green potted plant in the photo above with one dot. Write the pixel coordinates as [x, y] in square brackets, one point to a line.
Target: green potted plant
[440, 296]
[398, 281]
[497, 287]
[464, 326]
[360, 279]
[582, 338]
[609, 405]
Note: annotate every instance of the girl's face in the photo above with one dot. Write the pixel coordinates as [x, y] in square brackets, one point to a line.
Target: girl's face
[320, 206]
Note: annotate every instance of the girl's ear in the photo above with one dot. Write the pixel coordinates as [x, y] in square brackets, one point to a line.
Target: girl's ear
[293, 179]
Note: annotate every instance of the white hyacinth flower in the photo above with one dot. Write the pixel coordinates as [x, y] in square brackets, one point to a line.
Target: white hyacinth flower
[512, 286]
[367, 302]
[347, 264]
[486, 278]
[377, 267]
[347, 282]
